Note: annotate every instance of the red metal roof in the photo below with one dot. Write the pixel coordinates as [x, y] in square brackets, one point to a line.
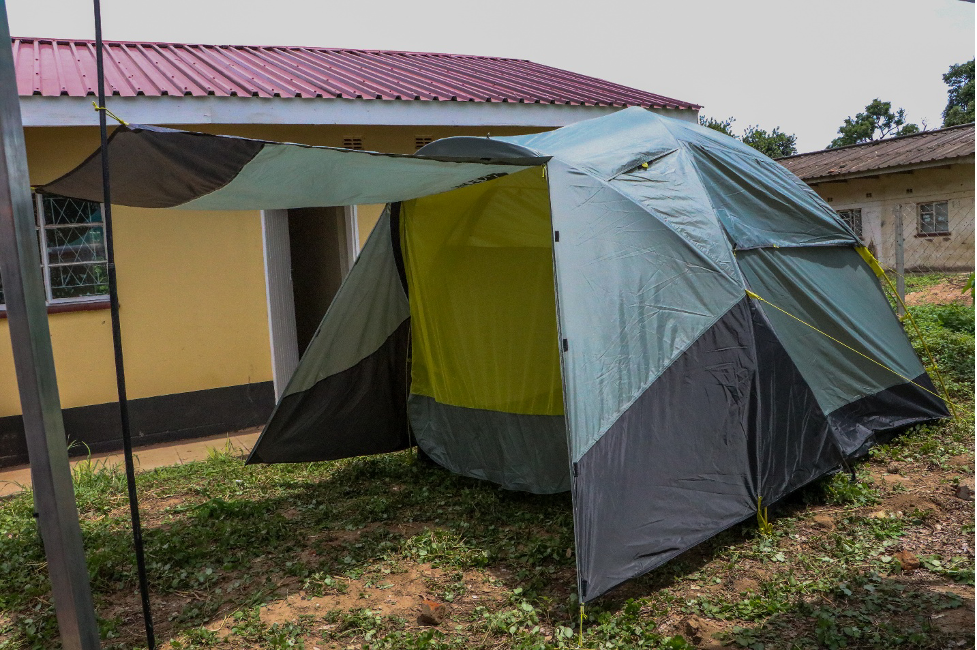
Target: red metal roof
[903, 151]
[54, 67]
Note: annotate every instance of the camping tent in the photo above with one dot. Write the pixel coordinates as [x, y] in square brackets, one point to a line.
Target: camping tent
[640, 310]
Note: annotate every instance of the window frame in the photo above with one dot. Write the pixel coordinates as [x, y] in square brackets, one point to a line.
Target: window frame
[58, 305]
[44, 253]
[849, 221]
[919, 219]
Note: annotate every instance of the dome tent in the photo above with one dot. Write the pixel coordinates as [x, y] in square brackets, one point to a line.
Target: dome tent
[589, 328]
[624, 307]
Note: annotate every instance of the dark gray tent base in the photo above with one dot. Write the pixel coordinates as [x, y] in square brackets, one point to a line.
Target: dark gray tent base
[367, 402]
[522, 452]
[860, 424]
[706, 467]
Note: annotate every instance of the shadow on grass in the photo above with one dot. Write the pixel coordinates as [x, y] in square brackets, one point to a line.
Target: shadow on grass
[221, 537]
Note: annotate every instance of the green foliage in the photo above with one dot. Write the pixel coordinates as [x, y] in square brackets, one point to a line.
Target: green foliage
[774, 144]
[877, 121]
[920, 281]
[841, 490]
[948, 331]
[862, 611]
[723, 126]
[960, 95]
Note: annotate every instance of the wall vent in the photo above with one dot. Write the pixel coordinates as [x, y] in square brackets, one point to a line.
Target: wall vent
[353, 143]
[422, 140]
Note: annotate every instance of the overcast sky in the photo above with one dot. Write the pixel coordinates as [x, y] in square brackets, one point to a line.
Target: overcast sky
[802, 66]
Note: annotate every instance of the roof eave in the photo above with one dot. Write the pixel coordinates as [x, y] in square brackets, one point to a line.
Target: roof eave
[895, 169]
[40, 111]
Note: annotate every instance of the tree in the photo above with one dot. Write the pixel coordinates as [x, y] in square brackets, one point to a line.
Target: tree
[877, 120]
[775, 144]
[723, 126]
[960, 96]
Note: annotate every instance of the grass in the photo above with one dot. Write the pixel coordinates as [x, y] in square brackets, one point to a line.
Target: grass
[920, 281]
[337, 555]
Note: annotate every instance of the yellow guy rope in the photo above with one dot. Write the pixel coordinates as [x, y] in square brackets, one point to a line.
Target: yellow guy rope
[880, 272]
[110, 114]
[845, 345]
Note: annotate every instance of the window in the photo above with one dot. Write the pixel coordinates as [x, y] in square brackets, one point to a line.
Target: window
[934, 218]
[853, 218]
[71, 239]
[422, 140]
[353, 143]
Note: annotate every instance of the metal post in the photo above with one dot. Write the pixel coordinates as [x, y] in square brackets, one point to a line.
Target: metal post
[900, 257]
[54, 496]
[120, 374]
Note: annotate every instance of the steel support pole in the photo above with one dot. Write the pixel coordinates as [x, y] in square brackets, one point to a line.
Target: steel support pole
[120, 373]
[54, 497]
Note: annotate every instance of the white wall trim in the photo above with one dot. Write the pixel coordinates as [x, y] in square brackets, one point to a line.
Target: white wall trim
[352, 230]
[280, 298]
[77, 111]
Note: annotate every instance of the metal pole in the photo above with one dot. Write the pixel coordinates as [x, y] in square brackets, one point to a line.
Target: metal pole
[120, 376]
[54, 496]
[900, 257]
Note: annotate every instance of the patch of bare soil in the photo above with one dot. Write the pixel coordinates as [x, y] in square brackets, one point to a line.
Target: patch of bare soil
[413, 593]
[949, 290]
[704, 632]
[930, 495]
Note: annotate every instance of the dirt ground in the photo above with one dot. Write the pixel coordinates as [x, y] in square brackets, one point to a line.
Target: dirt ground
[948, 290]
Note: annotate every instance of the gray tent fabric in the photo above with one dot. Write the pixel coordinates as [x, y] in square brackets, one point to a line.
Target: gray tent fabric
[369, 307]
[352, 377]
[703, 297]
[154, 167]
[521, 452]
[835, 289]
[648, 296]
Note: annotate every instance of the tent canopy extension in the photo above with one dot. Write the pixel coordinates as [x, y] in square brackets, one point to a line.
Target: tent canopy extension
[577, 309]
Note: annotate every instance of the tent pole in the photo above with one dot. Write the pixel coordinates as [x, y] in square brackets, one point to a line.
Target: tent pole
[30, 336]
[120, 376]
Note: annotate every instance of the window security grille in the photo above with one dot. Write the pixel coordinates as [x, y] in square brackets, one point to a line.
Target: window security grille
[71, 244]
[853, 218]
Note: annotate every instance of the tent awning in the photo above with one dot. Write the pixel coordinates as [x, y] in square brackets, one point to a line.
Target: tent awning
[155, 167]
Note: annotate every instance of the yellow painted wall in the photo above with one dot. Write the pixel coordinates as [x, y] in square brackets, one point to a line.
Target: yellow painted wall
[192, 296]
[878, 197]
[191, 284]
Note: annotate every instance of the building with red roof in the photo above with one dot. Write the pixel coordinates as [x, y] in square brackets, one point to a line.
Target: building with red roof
[200, 292]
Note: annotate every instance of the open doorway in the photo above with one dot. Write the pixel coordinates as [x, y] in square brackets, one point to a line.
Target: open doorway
[308, 252]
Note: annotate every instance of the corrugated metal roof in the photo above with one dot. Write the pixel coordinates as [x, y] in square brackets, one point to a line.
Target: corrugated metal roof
[52, 68]
[903, 151]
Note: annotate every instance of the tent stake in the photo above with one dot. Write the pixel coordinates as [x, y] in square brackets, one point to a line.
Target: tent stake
[581, 625]
[120, 377]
